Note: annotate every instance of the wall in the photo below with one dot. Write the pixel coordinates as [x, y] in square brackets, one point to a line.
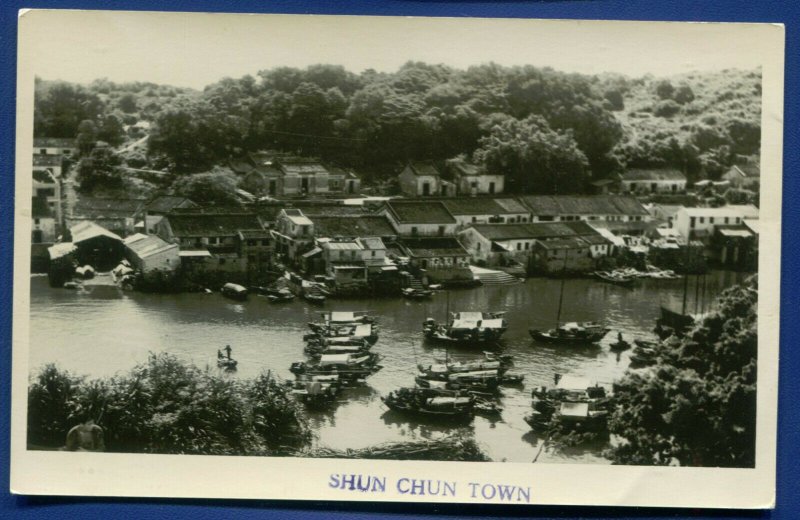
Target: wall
[47, 228]
[483, 183]
[654, 186]
[547, 261]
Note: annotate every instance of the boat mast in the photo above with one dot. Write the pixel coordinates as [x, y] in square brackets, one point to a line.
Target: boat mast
[561, 292]
[686, 277]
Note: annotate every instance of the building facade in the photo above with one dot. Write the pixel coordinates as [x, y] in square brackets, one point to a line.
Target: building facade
[657, 180]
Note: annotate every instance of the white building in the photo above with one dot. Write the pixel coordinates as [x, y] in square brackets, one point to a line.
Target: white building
[149, 253]
[699, 223]
[660, 180]
[420, 218]
[472, 179]
[54, 146]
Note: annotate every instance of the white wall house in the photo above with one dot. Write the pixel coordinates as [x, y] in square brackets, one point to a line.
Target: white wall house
[660, 180]
[54, 146]
[571, 208]
[418, 218]
[422, 179]
[699, 223]
[472, 179]
[149, 253]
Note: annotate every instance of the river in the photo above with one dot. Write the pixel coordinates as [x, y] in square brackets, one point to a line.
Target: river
[103, 331]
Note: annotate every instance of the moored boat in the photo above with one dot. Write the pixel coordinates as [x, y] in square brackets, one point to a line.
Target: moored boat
[467, 328]
[615, 278]
[281, 296]
[416, 294]
[433, 404]
[234, 291]
[572, 333]
[227, 363]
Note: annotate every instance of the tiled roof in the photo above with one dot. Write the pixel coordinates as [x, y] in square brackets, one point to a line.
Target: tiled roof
[512, 205]
[87, 230]
[353, 226]
[563, 243]
[167, 203]
[372, 243]
[209, 224]
[583, 205]
[429, 247]
[473, 206]
[535, 230]
[660, 174]
[147, 245]
[98, 207]
[254, 233]
[412, 212]
[423, 168]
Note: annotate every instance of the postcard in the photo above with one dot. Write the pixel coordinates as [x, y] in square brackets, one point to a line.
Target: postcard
[365, 258]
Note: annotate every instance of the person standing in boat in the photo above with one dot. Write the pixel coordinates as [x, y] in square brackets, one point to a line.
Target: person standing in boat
[228, 350]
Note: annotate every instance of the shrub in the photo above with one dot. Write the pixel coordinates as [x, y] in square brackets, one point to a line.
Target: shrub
[667, 108]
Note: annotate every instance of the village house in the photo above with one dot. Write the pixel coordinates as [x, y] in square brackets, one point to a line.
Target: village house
[257, 246]
[293, 233]
[567, 208]
[422, 179]
[746, 175]
[47, 187]
[735, 246]
[212, 241]
[473, 179]
[43, 228]
[481, 210]
[96, 246]
[497, 244]
[278, 174]
[442, 259]
[560, 256]
[54, 146]
[655, 180]
[117, 215]
[344, 262]
[155, 209]
[699, 223]
[354, 226]
[420, 218]
[150, 253]
[664, 213]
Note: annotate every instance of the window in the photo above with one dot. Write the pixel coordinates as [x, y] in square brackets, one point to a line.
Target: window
[43, 151]
[478, 246]
[441, 230]
[519, 246]
[726, 220]
[36, 221]
[691, 222]
[474, 219]
[473, 185]
[527, 245]
[710, 220]
[702, 220]
[414, 231]
[167, 261]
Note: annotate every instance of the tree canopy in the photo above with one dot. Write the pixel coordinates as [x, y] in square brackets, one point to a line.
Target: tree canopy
[697, 405]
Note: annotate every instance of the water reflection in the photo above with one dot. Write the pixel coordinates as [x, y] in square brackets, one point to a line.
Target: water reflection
[102, 331]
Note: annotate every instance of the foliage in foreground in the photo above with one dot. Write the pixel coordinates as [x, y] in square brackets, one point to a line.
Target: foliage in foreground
[169, 407]
[697, 405]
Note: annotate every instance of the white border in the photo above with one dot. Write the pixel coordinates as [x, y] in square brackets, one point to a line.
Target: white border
[108, 474]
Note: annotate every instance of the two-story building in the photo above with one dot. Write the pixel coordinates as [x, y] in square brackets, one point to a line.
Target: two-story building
[441, 259]
[473, 179]
[54, 146]
[279, 174]
[655, 180]
[422, 179]
[699, 223]
[420, 218]
[293, 233]
[566, 208]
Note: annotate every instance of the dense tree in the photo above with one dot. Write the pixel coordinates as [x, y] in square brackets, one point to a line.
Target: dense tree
[683, 94]
[697, 405]
[212, 188]
[534, 157]
[664, 89]
[127, 103]
[86, 137]
[111, 130]
[60, 107]
[99, 169]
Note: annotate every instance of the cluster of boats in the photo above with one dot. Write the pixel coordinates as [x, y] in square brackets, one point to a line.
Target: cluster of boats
[627, 276]
[572, 404]
[455, 391]
[339, 352]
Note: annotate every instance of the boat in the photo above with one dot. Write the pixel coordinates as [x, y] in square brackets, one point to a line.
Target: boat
[350, 347]
[72, 285]
[416, 294]
[431, 403]
[317, 390]
[281, 296]
[620, 344]
[498, 364]
[347, 366]
[467, 328]
[574, 403]
[346, 317]
[615, 278]
[644, 355]
[361, 331]
[234, 291]
[227, 363]
[672, 322]
[316, 299]
[486, 381]
[573, 333]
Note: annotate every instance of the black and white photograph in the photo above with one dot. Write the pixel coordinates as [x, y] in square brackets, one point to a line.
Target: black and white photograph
[317, 241]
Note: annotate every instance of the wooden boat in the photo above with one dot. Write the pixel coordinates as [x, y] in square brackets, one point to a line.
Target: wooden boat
[467, 328]
[572, 333]
[346, 366]
[416, 294]
[317, 390]
[620, 345]
[617, 279]
[351, 347]
[234, 291]
[316, 299]
[574, 404]
[227, 363]
[362, 331]
[282, 296]
[477, 382]
[71, 285]
[429, 403]
[346, 317]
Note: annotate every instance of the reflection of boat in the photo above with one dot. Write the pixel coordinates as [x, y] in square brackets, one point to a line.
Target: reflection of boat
[234, 291]
[432, 403]
[572, 333]
[416, 294]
